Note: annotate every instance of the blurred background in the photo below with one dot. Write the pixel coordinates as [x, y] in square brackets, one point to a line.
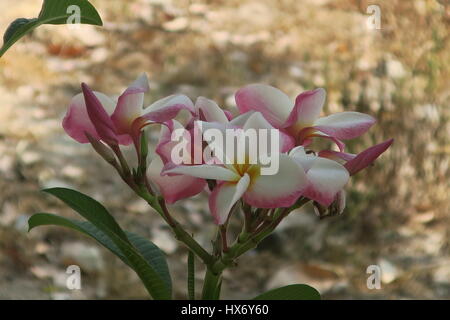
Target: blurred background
[397, 213]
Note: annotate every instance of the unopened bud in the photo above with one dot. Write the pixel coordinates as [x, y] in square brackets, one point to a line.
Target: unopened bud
[105, 152]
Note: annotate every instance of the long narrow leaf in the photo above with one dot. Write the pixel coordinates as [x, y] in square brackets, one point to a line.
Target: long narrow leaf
[146, 259]
[154, 256]
[47, 219]
[142, 256]
[89, 208]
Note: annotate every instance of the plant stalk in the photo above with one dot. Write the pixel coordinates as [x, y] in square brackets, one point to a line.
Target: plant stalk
[211, 285]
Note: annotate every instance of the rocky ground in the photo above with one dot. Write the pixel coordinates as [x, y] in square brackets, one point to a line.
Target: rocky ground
[397, 215]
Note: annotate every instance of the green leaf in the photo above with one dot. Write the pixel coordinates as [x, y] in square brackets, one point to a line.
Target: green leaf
[291, 292]
[191, 276]
[89, 208]
[154, 282]
[159, 286]
[154, 256]
[52, 12]
[44, 219]
[143, 256]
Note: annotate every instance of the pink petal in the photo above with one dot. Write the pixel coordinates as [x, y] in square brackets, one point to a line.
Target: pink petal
[129, 105]
[224, 196]
[99, 117]
[279, 190]
[168, 108]
[307, 109]
[365, 158]
[160, 112]
[345, 125]
[228, 114]
[166, 146]
[210, 111]
[176, 187]
[165, 143]
[77, 121]
[271, 102]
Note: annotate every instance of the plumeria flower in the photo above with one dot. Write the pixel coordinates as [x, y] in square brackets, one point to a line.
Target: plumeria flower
[207, 111]
[172, 188]
[357, 162]
[212, 116]
[121, 121]
[301, 119]
[176, 187]
[326, 178]
[244, 180]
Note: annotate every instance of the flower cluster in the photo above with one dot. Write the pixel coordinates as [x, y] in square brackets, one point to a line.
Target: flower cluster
[303, 173]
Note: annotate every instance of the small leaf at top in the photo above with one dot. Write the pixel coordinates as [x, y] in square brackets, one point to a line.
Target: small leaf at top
[52, 12]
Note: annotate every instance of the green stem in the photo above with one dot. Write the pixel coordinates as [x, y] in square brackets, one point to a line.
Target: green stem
[211, 285]
[191, 275]
[247, 241]
[177, 229]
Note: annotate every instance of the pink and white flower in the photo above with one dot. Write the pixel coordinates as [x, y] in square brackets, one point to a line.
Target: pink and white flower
[301, 119]
[244, 180]
[174, 187]
[119, 121]
[236, 181]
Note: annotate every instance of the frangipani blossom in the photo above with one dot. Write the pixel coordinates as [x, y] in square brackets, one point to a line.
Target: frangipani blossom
[173, 188]
[119, 121]
[206, 110]
[244, 180]
[357, 162]
[325, 177]
[301, 119]
[176, 187]
[236, 181]
[77, 120]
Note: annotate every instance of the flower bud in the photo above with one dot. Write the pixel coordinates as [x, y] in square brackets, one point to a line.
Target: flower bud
[102, 149]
